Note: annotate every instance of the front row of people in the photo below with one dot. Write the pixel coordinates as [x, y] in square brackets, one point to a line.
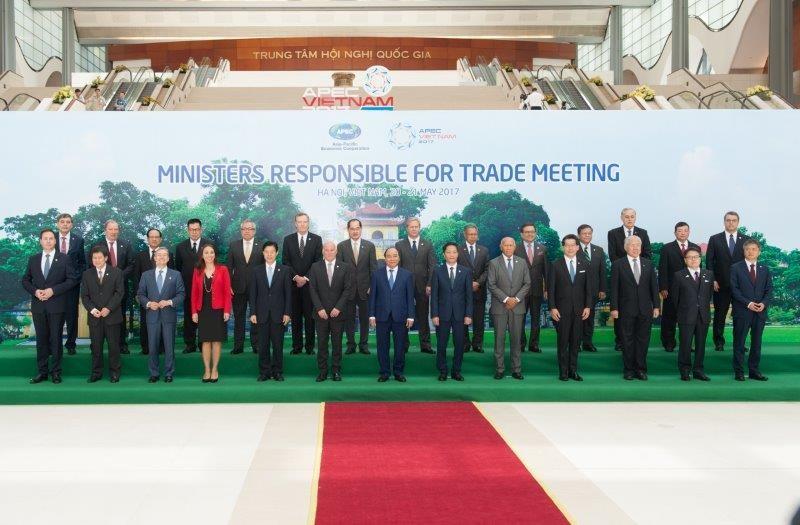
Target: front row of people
[634, 294]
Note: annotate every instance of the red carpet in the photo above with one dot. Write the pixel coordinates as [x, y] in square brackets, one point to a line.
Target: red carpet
[423, 463]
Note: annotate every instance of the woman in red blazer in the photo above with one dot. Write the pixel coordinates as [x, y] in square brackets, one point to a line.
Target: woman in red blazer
[211, 308]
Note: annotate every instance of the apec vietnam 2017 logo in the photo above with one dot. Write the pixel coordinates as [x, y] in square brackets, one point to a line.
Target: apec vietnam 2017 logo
[402, 136]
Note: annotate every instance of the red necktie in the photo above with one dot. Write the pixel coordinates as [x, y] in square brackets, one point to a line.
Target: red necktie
[112, 255]
[753, 273]
[63, 245]
[697, 277]
[529, 251]
[683, 249]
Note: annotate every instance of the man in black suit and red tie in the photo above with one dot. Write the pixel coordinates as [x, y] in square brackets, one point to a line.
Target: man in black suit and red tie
[672, 260]
[48, 278]
[535, 255]
[724, 250]
[690, 293]
[145, 260]
[595, 259]
[71, 245]
[475, 257]
[300, 250]
[187, 253]
[616, 249]
[751, 291]
[634, 305]
[360, 253]
[243, 255]
[569, 294]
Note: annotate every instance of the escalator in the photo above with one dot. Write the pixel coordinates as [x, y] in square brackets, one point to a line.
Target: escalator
[111, 101]
[570, 93]
[588, 94]
[546, 88]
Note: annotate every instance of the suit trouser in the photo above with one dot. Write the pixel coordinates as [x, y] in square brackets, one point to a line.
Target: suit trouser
[49, 328]
[568, 339]
[512, 322]
[144, 339]
[443, 338]
[333, 329]
[422, 309]
[689, 333]
[363, 323]
[239, 318]
[302, 318]
[159, 333]
[534, 307]
[722, 303]
[635, 332]
[71, 315]
[742, 325]
[270, 348]
[587, 326]
[123, 329]
[478, 322]
[399, 334]
[189, 326]
[98, 333]
[669, 320]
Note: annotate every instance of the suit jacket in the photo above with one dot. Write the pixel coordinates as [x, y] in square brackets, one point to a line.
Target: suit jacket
[172, 290]
[337, 294]
[125, 256]
[616, 243]
[268, 302]
[185, 260]
[109, 294]
[397, 302]
[311, 253]
[538, 269]
[479, 267]
[61, 278]
[364, 267]
[563, 293]
[240, 269]
[744, 292]
[221, 297]
[451, 302]
[670, 262]
[76, 251]
[719, 259]
[629, 298]
[691, 298]
[144, 262]
[421, 266]
[595, 269]
[500, 286]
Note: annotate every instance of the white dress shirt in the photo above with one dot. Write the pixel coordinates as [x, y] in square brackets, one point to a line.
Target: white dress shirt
[44, 259]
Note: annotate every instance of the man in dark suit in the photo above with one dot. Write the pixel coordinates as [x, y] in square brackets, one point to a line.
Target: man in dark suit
[476, 258]
[146, 260]
[569, 295]
[243, 256]
[160, 292]
[724, 250]
[535, 256]
[120, 255]
[187, 253]
[270, 294]
[616, 250]
[451, 309]
[48, 278]
[331, 288]
[391, 311]
[361, 255]
[690, 293]
[672, 260]
[416, 256]
[634, 305]
[751, 291]
[594, 258]
[71, 245]
[102, 290]
[300, 251]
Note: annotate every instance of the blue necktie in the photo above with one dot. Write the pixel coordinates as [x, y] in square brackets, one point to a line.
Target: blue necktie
[160, 280]
[46, 265]
[731, 244]
[472, 254]
[414, 248]
[572, 270]
[391, 279]
[269, 276]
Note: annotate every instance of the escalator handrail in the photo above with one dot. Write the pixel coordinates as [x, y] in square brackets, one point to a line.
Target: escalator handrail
[737, 95]
[5, 103]
[15, 97]
[549, 68]
[700, 101]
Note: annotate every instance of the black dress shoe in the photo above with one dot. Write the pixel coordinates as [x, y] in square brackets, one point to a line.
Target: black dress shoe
[759, 377]
[277, 376]
[399, 377]
[383, 379]
[71, 351]
[641, 376]
[94, 379]
[364, 351]
[589, 348]
[262, 378]
[427, 350]
[575, 376]
[296, 351]
[719, 348]
[628, 376]
[477, 349]
[517, 375]
[337, 376]
[535, 350]
[618, 347]
[457, 376]
[124, 350]
[442, 376]
[322, 377]
[145, 352]
[38, 379]
[310, 351]
[168, 379]
[700, 376]
[739, 377]
[114, 379]
[350, 350]
[563, 378]
[685, 376]
[206, 380]
[237, 351]
[499, 375]
[56, 378]
[153, 379]
[669, 349]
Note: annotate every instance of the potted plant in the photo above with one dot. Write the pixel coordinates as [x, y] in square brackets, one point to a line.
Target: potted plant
[97, 82]
[63, 94]
[596, 80]
[508, 68]
[146, 101]
[762, 92]
[168, 82]
[525, 81]
[120, 68]
[644, 92]
[183, 68]
[550, 99]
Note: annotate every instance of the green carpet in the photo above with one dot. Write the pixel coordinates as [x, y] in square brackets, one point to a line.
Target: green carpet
[602, 372]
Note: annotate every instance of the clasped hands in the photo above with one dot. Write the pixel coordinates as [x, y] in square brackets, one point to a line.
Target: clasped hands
[44, 295]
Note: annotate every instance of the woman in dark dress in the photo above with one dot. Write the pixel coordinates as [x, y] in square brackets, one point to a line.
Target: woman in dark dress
[211, 308]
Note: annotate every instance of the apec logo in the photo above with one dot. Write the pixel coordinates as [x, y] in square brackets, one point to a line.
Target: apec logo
[344, 131]
[378, 81]
[402, 136]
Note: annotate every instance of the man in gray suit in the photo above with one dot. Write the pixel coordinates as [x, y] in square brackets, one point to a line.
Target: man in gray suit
[509, 281]
[360, 254]
[160, 289]
[416, 256]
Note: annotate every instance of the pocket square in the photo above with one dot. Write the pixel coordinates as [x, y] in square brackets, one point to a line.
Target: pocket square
[582, 271]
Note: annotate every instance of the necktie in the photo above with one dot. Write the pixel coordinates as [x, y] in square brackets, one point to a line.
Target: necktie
[194, 246]
[160, 280]
[510, 270]
[452, 276]
[636, 271]
[248, 249]
[356, 248]
[753, 273]
[572, 270]
[683, 249]
[731, 244]
[330, 274]
[414, 248]
[391, 279]
[269, 275]
[63, 245]
[302, 244]
[112, 255]
[46, 265]
[529, 252]
[152, 255]
[630, 232]
[587, 253]
[697, 277]
[472, 254]
[100, 276]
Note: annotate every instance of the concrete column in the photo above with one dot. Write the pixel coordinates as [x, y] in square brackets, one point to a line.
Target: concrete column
[781, 59]
[8, 48]
[67, 45]
[615, 37]
[680, 34]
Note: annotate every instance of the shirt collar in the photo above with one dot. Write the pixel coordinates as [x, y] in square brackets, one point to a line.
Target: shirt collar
[631, 259]
[51, 252]
[102, 270]
[161, 269]
[755, 261]
[410, 240]
[568, 259]
[584, 246]
[473, 246]
[454, 265]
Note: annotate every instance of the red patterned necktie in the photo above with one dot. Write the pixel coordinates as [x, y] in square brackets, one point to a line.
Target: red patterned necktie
[753, 273]
[63, 244]
[112, 255]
